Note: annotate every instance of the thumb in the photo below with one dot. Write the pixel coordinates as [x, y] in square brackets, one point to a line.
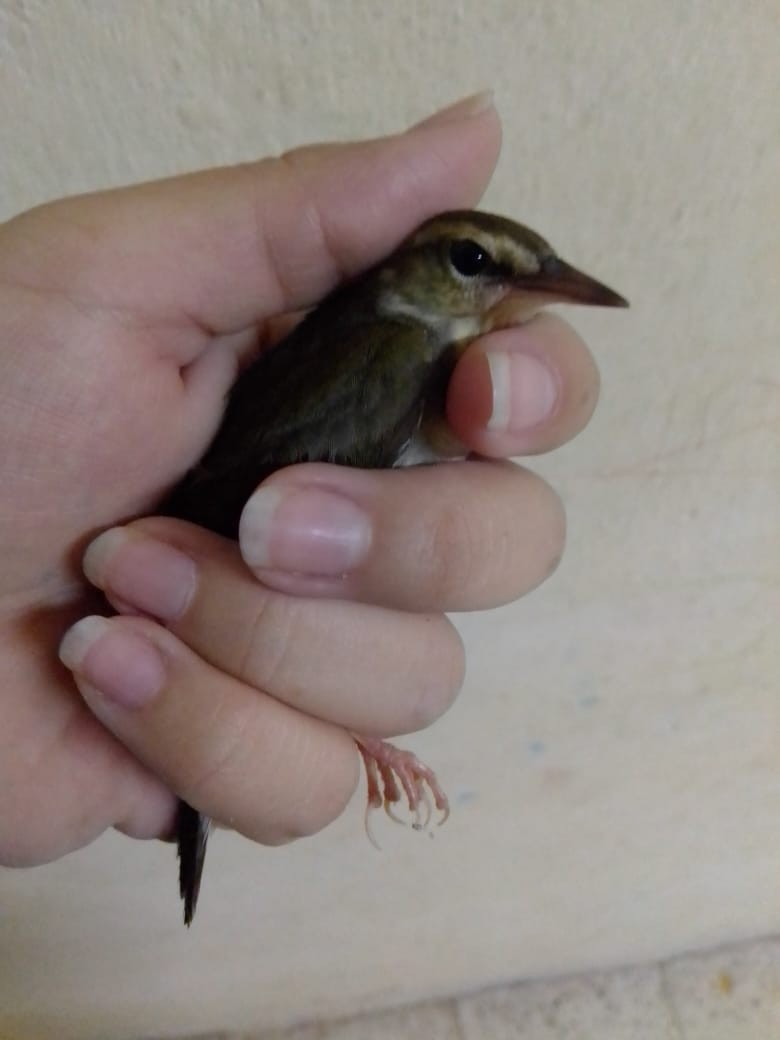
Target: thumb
[227, 248]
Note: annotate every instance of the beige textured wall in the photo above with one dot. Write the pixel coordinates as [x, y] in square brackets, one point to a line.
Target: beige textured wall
[615, 760]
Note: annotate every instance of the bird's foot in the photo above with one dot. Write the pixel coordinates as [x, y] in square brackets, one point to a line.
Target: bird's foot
[393, 774]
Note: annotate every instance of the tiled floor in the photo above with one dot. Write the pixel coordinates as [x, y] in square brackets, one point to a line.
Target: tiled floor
[730, 994]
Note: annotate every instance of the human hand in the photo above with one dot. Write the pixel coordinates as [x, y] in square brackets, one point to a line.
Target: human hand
[124, 317]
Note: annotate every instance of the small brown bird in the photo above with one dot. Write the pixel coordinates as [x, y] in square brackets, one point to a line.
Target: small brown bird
[362, 381]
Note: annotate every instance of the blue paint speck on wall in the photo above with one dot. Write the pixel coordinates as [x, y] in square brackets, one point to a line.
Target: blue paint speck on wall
[588, 700]
[465, 797]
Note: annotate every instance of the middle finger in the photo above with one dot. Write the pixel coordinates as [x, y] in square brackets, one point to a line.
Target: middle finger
[377, 671]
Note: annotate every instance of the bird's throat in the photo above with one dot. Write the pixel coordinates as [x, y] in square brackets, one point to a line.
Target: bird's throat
[446, 329]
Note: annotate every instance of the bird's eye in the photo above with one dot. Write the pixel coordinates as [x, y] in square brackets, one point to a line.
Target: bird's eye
[469, 258]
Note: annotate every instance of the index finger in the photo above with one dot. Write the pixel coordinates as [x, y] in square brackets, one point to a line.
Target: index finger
[229, 247]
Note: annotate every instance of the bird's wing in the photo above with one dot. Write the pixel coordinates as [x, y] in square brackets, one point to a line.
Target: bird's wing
[354, 399]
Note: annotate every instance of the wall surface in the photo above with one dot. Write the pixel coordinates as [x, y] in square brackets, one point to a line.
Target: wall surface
[615, 759]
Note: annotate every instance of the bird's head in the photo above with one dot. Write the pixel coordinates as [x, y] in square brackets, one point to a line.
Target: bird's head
[467, 272]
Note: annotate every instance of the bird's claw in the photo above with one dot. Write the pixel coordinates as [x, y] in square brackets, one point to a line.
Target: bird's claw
[393, 774]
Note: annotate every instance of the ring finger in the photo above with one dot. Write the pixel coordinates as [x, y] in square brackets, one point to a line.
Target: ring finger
[234, 753]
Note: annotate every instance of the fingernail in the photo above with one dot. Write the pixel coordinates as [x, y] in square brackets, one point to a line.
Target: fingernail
[463, 109]
[121, 666]
[152, 576]
[525, 392]
[305, 530]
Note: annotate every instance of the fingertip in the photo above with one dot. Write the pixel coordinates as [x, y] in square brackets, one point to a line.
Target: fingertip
[500, 399]
[476, 104]
[151, 809]
[523, 390]
[466, 136]
[320, 784]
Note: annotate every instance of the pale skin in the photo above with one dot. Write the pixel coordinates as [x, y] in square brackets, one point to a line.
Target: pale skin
[123, 318]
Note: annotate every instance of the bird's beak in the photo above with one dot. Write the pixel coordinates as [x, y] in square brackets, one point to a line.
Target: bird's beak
[561, 281]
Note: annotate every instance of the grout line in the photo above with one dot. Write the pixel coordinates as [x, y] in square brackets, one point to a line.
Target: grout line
[669, 1001]
[457, 1017]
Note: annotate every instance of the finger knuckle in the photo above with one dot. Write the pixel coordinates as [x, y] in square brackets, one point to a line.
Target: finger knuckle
[317, 792]
[451, 555]
[333, 797]
[270, 644]
[219, 755]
